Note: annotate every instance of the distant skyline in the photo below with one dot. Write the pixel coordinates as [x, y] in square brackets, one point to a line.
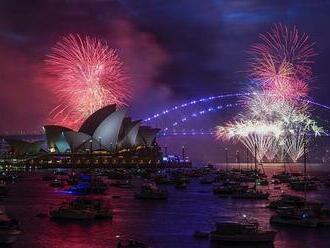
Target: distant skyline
[174, 51]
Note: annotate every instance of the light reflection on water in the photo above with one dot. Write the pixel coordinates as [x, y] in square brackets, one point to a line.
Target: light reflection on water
[161, 224]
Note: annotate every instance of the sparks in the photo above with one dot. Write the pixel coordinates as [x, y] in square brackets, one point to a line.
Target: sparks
[276, 119]
[89, 75]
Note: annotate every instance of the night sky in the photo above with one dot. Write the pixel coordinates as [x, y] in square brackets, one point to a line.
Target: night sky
[174, 51]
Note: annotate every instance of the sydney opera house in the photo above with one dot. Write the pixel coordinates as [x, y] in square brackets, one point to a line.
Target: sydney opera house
[107, 129]
[107, 135]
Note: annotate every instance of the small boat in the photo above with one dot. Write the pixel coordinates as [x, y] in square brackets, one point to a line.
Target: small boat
[121, 183]
[251, 194]
[262, 182]
[79, 189]
[150, 191]
[82, 209]
[303, 185]
[284, 177]
[293, 201]
[99, 207]
[56, 183]
[229, 188]
[232, 232]
[9, 230]
[65, 212]
[295, 217]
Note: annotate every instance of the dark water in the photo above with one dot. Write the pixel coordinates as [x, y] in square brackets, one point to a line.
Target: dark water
[164, 224]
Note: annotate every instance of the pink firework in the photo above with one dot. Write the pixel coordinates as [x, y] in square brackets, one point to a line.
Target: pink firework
[287, 45]
[89, 75]
[279, 80]
[281, 63]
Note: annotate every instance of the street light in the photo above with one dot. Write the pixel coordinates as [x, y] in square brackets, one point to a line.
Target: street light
[90, 146]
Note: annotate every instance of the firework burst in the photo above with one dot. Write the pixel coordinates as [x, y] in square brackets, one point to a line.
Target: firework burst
[281, 62]
[253, 135]
[89, 76]
[276, 119]
[285, 45]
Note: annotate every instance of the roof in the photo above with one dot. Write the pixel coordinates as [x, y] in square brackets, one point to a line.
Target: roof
[93, 121]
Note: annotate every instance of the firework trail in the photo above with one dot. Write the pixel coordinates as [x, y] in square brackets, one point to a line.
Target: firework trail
[89, 76]
[297, 126]
[251, 134]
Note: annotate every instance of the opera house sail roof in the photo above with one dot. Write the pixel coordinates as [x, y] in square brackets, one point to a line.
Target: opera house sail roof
[106, 129]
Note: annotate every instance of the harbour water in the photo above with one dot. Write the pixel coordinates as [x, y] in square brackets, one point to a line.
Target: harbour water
[160, 224]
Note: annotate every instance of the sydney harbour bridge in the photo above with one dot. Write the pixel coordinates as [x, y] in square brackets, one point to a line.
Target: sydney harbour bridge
[201, 116]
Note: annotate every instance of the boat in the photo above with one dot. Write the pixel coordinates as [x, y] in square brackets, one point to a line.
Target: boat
[96, 187]
[56, 183]
[283, 177]
[9, 230]
[82, 209]
[152, 192]
[303, 185]
[262, 182]
[121, 183]
[293, 201]
[229, 188]
[79, 189]
[252, 194]
[65, 212]
[234, 232]
[295, 217]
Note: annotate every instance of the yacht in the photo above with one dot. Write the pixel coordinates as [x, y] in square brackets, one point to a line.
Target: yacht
[252, 194]
[233, 232]
[82, 209]
[56, 183]
[65, 212]
[295, 217]
[228, 189]
[293, 201]
[303, 185]
[151, 191]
